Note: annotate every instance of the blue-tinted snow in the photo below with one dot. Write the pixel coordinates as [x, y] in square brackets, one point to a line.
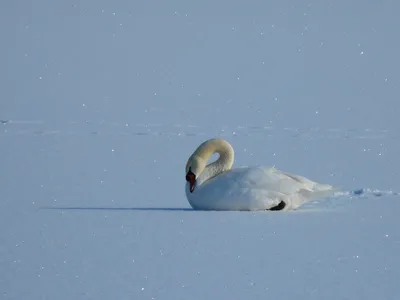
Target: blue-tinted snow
[101, 104]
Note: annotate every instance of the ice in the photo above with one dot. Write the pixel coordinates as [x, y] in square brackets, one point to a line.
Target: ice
[94, 208]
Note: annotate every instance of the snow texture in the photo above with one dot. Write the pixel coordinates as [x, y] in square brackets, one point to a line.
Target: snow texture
[102, 102]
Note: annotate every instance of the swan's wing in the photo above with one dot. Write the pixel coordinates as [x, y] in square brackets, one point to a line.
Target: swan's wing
[270, 179]
[276, 186]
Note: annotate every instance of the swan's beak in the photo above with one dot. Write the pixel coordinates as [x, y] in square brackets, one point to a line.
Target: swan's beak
[191, 178]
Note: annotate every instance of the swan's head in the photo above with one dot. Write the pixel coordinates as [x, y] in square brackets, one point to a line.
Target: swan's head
[194, 168]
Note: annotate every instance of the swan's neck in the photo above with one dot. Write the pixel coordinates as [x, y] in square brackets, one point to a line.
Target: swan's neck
[222, 164]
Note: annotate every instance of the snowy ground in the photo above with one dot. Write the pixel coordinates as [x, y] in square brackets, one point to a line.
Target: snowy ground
[101, 104]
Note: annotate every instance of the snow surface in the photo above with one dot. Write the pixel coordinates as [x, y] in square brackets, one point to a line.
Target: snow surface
[102, 102]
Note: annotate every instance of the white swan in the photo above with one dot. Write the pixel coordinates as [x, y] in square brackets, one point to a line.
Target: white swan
[218, 187]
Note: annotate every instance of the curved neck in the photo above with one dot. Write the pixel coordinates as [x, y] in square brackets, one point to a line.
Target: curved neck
[222, 164]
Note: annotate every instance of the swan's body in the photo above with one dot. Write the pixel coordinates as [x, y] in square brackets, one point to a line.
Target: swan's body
[218, 187]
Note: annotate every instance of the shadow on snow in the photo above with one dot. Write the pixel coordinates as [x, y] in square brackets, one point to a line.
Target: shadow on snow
[120, 208]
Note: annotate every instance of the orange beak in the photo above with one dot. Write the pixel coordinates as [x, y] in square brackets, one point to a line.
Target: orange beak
[191, 178]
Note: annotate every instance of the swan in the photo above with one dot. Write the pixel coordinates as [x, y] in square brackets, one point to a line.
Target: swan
[217, 186]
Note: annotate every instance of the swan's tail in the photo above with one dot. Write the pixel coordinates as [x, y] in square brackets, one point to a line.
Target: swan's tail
[316, 194]
[310, 185]
[320, 187]
[318, 191]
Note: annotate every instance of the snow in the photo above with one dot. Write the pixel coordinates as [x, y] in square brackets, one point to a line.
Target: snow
[102, 103]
